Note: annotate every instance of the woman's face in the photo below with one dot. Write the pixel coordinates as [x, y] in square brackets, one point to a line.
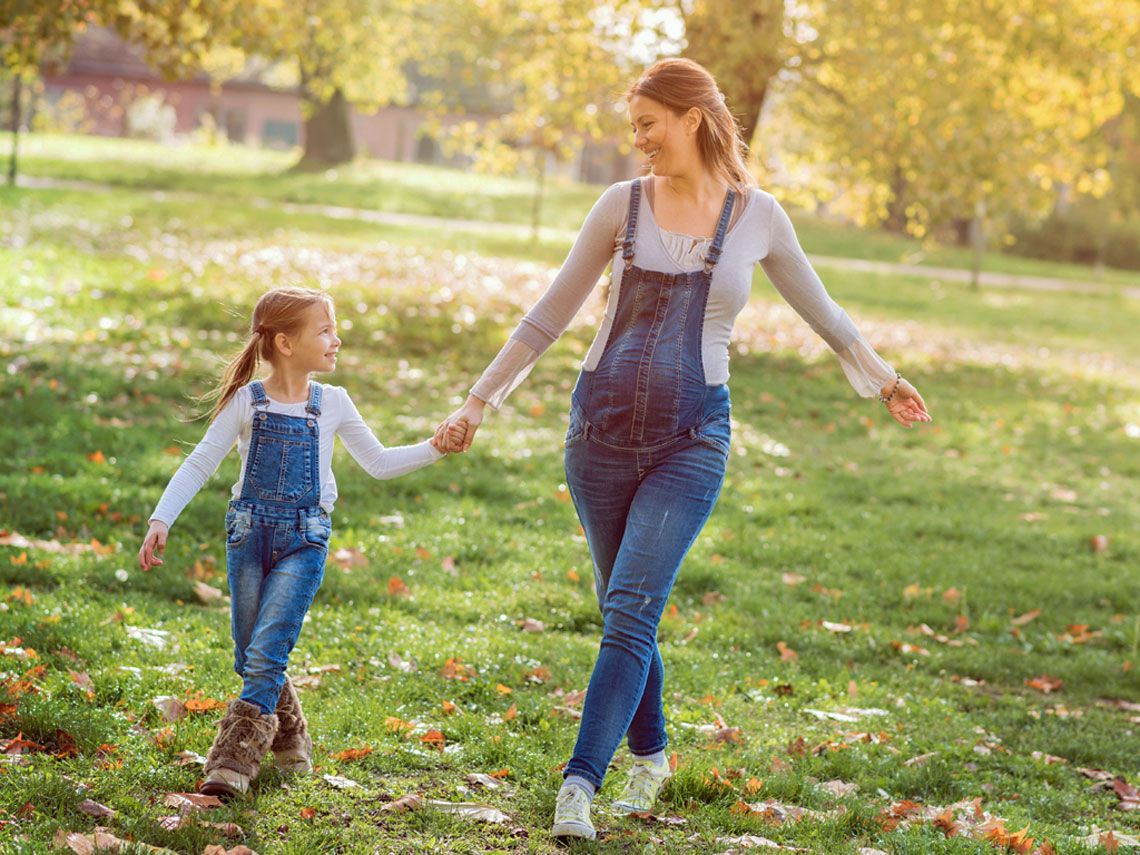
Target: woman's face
[667, 140]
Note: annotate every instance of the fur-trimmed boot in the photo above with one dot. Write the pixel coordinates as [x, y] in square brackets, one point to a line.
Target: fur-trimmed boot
[292, 747]
[244, 735]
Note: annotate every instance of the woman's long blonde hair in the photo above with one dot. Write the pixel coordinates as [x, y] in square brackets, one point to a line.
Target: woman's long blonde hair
[281, 310]
[681, 84]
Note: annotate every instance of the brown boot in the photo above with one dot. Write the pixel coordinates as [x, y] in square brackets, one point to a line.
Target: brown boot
[292, 747]
[244, 735]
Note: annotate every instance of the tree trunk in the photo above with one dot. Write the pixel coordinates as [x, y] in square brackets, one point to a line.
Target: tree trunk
[978, 241]
[539, 188]
[896, 207]
[740, 42]
[17, 86]
[328, 134]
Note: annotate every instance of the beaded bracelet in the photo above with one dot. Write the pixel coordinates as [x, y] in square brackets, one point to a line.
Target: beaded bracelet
[886, 399]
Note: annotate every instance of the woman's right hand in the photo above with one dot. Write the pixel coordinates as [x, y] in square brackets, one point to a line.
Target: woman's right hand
[470, 415]
[154, 544]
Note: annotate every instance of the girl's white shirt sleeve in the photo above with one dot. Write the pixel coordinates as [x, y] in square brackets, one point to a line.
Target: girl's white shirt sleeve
[205, 459]
[380, 462]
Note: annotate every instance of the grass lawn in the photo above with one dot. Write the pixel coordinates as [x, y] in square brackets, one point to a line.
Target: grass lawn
[376, 185]
[868, 605]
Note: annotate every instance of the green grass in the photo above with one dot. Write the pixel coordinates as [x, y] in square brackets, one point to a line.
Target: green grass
[373, 185]
[114, 309]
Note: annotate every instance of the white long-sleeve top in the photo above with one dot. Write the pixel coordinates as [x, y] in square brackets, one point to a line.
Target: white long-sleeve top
[339, 416]
[760, 233]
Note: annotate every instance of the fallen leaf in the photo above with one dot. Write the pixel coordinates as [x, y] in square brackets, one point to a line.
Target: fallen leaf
[412, 801]
[468, 810]
[435, 739]
[793, 579]
[340, 783]
[786, 653]
[1022, 620]
[93, 808]
[1044, 683]
[408, 666]
[532, 625]
[172, 708]
[839, 789]
[398, 588]
[206, 593]
[185, 802]
[350, 755]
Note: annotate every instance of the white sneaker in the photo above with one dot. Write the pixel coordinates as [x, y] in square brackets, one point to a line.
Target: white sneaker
[572, 814]
[645, 782]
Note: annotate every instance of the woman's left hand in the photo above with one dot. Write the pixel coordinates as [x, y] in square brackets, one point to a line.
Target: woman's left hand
[906, 405]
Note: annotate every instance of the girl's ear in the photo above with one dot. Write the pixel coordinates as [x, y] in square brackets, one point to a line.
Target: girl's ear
[282, 344]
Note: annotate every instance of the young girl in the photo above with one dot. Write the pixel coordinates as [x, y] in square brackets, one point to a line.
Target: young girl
[277, 525]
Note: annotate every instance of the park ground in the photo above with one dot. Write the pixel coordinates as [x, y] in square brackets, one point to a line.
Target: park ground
[904, 641]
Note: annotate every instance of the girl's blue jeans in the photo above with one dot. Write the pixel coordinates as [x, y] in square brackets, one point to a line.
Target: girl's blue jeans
[641, 510]
[275, 560]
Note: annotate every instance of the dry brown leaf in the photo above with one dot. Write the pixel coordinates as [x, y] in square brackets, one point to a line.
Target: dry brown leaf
[411, 801]
[786, 653]
[93, 808]
[339, 782]
[1022, 620]
[793, 579]
[206, 593]
[185, 802]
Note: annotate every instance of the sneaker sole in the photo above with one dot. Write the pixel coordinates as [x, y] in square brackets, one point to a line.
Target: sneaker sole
[573, 829]
[626, 809]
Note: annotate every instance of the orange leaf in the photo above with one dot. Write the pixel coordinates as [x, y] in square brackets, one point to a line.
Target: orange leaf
[351, 754]
[786, 653]
[501, 773]
[1044, 683]
[503, 690]
[454, 669]
[395, 725]
[1026, 618]
[308, 813]
[511, 713]
[97, 457]
[434, 738]
[397, 587]
[573, 576]
[449, 708]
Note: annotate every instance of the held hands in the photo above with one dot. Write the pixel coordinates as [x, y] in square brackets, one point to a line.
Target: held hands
[904, 403]
[154, 544]
[457, 431]
[448, 438]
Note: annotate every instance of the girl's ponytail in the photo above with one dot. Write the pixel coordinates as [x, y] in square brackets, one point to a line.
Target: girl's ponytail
[237, 373]
[281, 310]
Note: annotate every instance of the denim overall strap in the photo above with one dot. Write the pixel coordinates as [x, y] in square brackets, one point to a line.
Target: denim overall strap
[314, 405]
[260, 399]
[721, 230]
[631, 226]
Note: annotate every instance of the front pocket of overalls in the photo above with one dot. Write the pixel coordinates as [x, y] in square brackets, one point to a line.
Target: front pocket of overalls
[318, 530]
[291, 461]
[716, 433]
[238, 525]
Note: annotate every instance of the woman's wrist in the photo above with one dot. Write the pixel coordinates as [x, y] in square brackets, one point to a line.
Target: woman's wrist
[887, 392]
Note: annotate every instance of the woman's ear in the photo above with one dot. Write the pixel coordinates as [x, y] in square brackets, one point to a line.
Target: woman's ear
[693, 119]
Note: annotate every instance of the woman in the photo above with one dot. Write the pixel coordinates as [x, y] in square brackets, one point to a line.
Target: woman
[649, 419]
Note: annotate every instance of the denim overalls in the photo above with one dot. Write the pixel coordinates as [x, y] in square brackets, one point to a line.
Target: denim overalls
[277, 540]
[645, 459]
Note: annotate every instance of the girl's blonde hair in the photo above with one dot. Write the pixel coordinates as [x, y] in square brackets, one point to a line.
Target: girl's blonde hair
[681, 84]
[281, 310]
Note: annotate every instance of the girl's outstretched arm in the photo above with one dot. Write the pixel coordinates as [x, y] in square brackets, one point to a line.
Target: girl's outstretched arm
[377, 460]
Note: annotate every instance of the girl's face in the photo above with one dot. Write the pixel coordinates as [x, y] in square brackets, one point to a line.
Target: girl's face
[315, 345]
[667, 140]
